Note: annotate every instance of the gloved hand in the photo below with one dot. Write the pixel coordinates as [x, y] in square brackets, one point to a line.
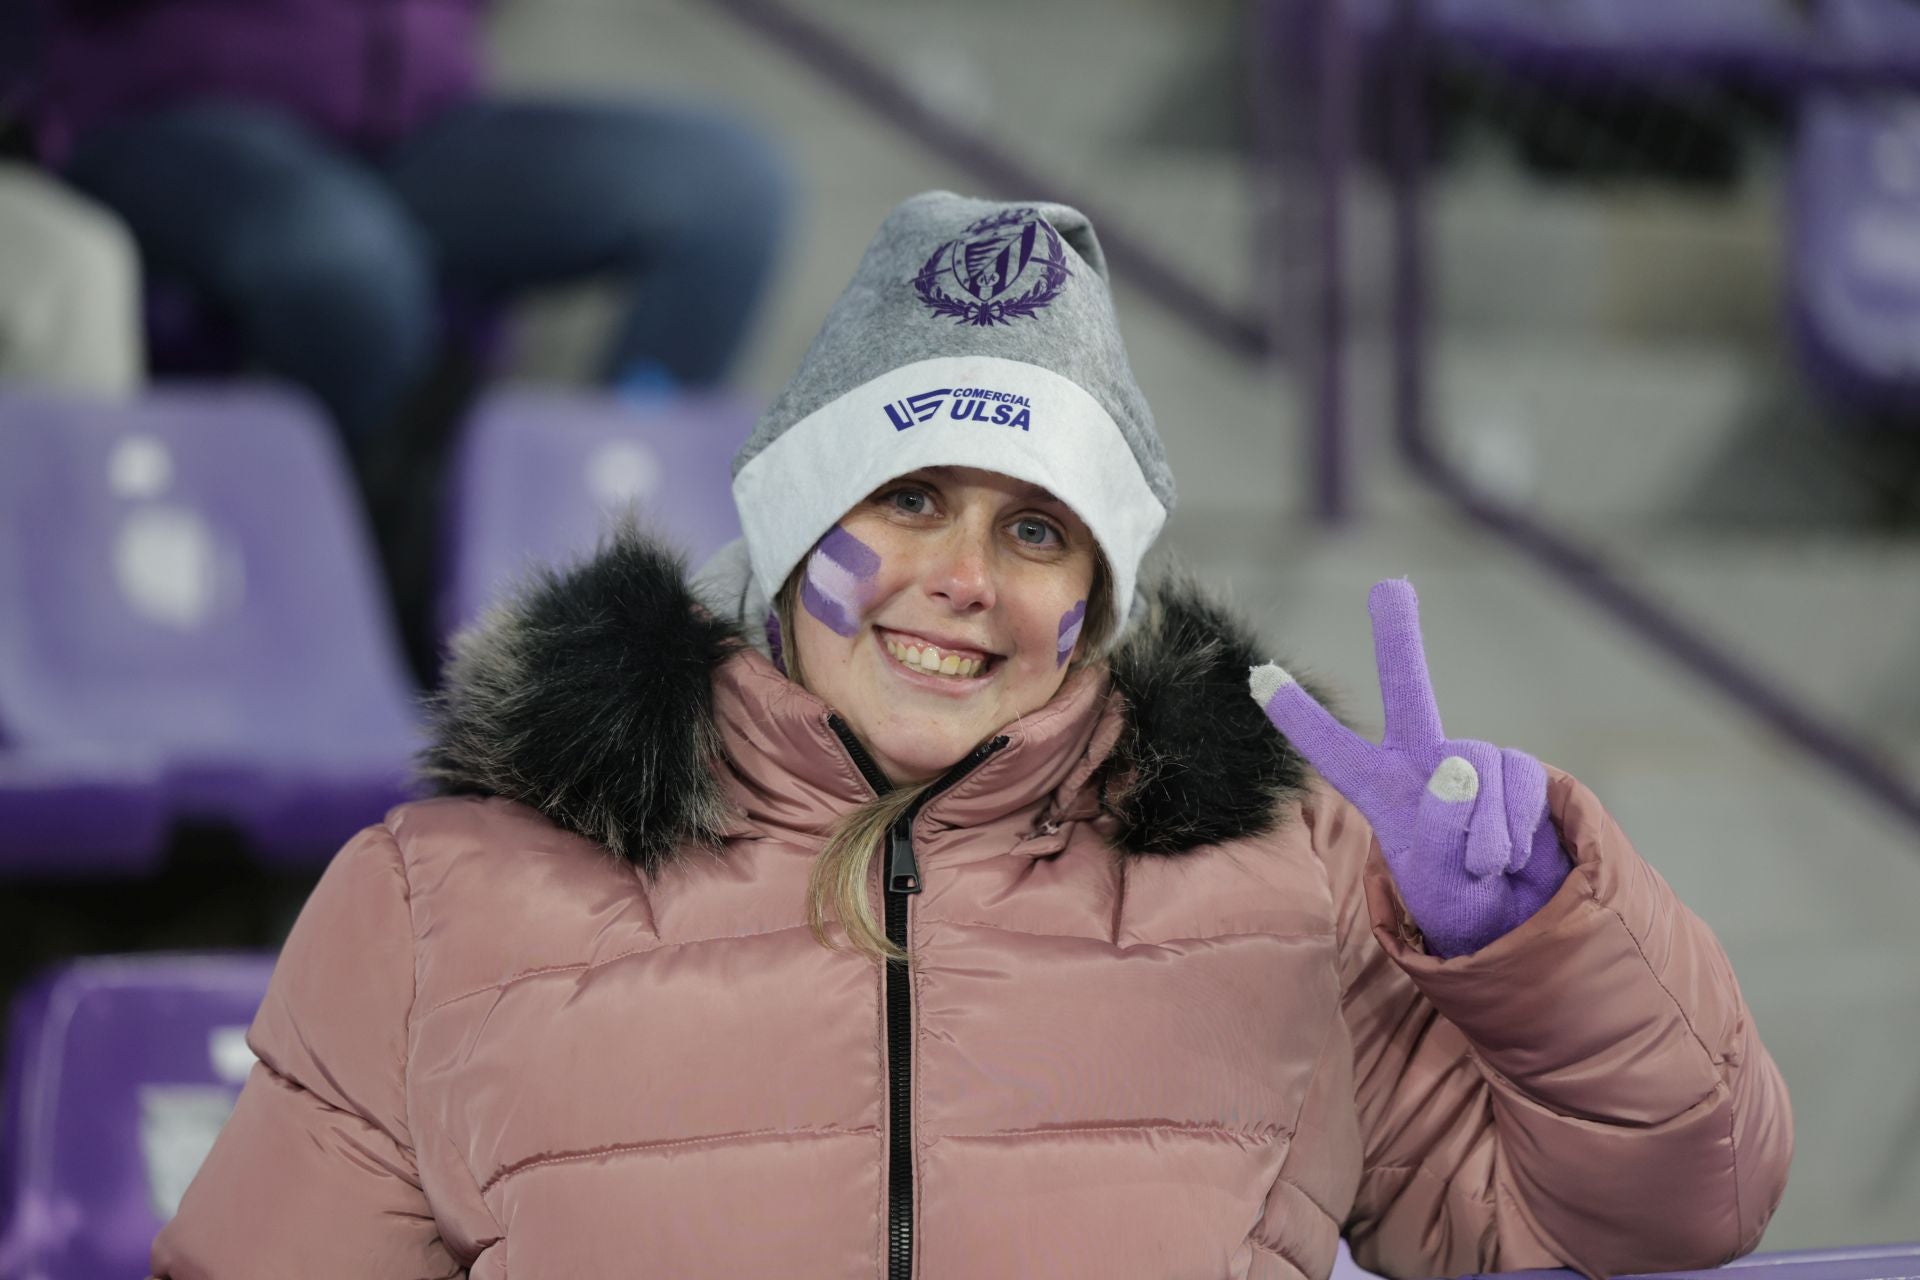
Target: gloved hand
[1463, 824]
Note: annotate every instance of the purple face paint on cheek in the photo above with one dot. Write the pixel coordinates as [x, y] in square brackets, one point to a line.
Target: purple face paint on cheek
[773, 642]
[1070, 624]
[839, 580]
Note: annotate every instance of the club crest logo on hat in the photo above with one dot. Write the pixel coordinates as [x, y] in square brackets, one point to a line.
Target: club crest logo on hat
[1002, 268]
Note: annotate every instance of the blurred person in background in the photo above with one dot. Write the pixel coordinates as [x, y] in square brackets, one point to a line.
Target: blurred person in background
[320, 170]
[1177, 975]
[69, 272]
[332, 177]
[69, 290]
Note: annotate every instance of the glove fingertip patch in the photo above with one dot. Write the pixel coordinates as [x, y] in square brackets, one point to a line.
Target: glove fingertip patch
[1266, 680]
[1455, 781]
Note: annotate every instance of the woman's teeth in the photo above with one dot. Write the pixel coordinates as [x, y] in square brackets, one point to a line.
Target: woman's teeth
[925, 657]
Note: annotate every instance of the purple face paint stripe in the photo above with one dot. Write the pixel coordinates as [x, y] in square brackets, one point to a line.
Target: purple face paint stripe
[859, 559]
[773, 642]
[831, 612]
[832, 580]
[1070, 624]
[838, 574]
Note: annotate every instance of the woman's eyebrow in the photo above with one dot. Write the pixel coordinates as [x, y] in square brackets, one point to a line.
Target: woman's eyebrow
[1035, 493]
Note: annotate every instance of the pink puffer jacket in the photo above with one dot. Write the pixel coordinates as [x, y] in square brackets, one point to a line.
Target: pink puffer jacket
[1169, 1020]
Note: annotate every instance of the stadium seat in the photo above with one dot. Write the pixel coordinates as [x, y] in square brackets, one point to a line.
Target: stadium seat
[1764, 41]
[79, 815]
[539, 476]
[1883, 35]
[120, 1071]
[1777, 45]
[1780, 46]
[1868, 1262]
[1639, 37]
[1854, 247]
[186, 587]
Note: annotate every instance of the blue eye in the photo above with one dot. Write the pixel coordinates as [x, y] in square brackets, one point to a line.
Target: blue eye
[912, 501]
[1035, 532]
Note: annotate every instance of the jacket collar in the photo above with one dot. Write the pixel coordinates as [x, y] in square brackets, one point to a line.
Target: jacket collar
[788, 770]
[609, 699]
[785, 768]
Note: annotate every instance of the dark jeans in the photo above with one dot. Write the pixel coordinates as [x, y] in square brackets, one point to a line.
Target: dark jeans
[332, 262]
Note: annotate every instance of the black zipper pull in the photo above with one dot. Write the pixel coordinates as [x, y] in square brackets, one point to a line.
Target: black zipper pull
[903, 869]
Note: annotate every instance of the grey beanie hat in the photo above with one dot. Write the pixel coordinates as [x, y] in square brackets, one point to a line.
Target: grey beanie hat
[974, 334]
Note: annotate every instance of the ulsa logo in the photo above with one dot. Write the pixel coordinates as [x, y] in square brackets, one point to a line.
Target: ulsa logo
[964, 404]
[905, 413]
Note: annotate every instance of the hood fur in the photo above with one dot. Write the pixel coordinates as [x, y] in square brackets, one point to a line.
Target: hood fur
[589, 697]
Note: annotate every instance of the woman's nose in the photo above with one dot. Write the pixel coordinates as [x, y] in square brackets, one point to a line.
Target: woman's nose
[961, 573]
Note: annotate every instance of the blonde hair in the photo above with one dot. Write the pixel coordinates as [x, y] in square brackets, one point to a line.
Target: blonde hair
[841, 872]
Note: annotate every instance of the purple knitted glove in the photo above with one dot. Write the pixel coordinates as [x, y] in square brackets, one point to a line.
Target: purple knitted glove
[1463, 824]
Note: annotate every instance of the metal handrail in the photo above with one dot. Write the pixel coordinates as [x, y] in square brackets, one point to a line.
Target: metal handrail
[1581, 568]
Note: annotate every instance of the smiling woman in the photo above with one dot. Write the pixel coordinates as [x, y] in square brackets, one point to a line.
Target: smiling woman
[955, 628]
[916, 894]
[946, 605]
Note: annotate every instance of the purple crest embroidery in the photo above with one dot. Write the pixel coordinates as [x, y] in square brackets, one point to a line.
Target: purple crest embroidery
[1070, 625]
[839, 576]
[985, 266]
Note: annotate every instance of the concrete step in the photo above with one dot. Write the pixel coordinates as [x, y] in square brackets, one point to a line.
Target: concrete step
[1512, 256]
[1602, 437]
[1687, 433]
[1518, 255]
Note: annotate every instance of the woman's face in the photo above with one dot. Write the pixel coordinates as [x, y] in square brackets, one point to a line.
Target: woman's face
[978, 576]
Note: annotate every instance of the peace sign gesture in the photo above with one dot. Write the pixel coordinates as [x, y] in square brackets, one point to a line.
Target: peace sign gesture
[1463, 824]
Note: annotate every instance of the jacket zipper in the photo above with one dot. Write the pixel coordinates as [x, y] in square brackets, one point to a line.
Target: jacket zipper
[901, 878]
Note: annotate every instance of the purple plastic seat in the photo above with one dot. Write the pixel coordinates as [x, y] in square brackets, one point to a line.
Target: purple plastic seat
[1760, 40]
[1854, 271]
[70, 816]
[1870, 1262]
[186, 584]
[1779, 45]
[1878, 1260]
[1854, 251]
[540, 475]
[1880, 34]
[120, 1071]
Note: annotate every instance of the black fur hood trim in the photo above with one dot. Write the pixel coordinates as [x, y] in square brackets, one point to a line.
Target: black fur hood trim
[589, 697]
[1200, 763]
